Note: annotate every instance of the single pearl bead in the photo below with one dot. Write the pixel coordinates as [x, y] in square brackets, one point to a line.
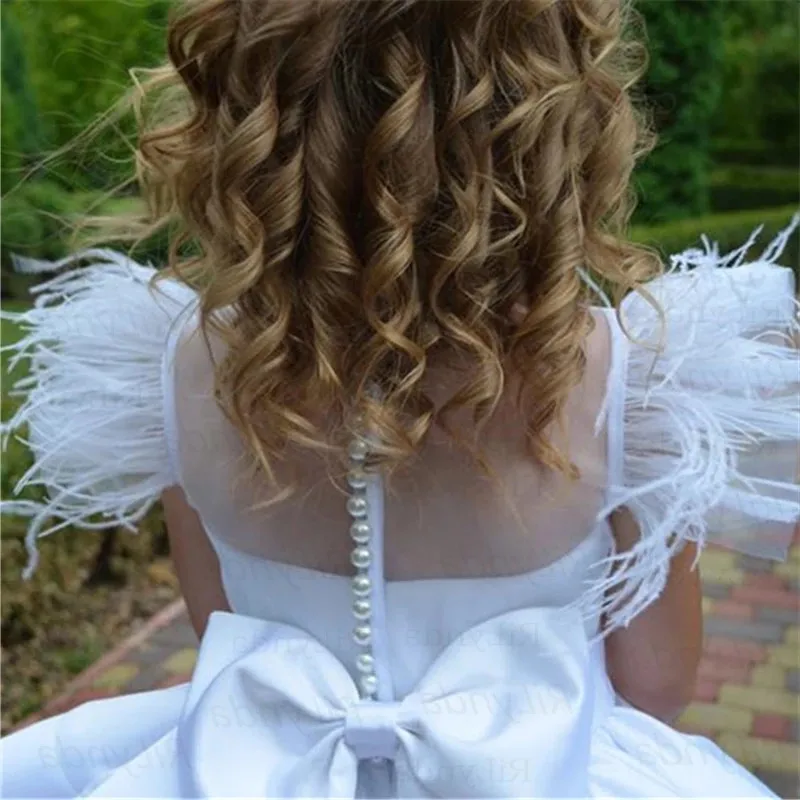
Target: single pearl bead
[357, 506]
[362, 634]
[357, 479]
[369, 685]
[360, 557]
[362, 585]
[360, 531]
[362, 608]
[357, 450]
[365, 663]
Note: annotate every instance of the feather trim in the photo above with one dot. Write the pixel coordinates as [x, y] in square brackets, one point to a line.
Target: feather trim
[711, 418]
[93, 400]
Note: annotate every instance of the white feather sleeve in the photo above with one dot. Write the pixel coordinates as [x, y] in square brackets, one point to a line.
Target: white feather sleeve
[706, 433]
[92, 401]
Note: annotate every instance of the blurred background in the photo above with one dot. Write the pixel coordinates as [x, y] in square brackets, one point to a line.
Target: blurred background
[723, 86]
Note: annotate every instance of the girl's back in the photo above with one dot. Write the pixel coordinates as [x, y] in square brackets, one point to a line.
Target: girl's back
[448, 516]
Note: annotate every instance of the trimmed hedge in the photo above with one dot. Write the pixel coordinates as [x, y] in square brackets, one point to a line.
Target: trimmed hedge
[730, 229]
[763, 153]
[756, 123]
[739, 187]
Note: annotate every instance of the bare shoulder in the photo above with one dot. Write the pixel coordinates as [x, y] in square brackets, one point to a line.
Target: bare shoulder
[599, 342]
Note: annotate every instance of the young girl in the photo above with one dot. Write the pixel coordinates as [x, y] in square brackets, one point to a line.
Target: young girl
[435, 504]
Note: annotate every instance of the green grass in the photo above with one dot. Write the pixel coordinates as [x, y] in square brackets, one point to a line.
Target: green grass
[8, 329]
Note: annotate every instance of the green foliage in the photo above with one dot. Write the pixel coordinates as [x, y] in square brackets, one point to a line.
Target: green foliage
[34, 218]
[20, 132]
[757, 124]
[64, 64]
[78, 58]
[682, 90]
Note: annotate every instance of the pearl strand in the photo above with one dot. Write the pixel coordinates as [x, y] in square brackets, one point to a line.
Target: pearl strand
[361, 557]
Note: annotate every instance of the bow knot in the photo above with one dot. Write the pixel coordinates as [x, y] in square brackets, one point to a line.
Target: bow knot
[370, 729]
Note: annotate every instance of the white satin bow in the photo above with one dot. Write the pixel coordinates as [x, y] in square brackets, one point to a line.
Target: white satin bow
[283, 716]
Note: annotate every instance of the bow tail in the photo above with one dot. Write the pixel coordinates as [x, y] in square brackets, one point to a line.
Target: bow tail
[274, 767]
[407, 780]
[328, 770]
[430, 773]
[423, 769]
[482, 774]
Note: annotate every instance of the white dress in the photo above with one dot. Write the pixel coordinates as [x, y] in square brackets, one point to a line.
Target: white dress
[471, 685]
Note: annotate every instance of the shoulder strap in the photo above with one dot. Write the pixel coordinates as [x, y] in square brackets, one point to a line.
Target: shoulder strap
[612, 411]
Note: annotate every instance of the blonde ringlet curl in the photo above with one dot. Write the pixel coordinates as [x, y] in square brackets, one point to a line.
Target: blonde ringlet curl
[372, 185]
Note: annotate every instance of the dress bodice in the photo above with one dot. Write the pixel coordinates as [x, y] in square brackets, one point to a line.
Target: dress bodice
[455, 552]
[422, 616]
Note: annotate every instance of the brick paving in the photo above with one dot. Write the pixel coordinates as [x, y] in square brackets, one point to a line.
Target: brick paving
[747, 690]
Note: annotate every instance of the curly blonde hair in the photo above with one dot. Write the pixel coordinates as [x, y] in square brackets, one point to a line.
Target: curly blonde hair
[369, 186]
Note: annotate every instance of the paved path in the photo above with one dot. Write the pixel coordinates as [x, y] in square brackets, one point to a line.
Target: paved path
[748, 693]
